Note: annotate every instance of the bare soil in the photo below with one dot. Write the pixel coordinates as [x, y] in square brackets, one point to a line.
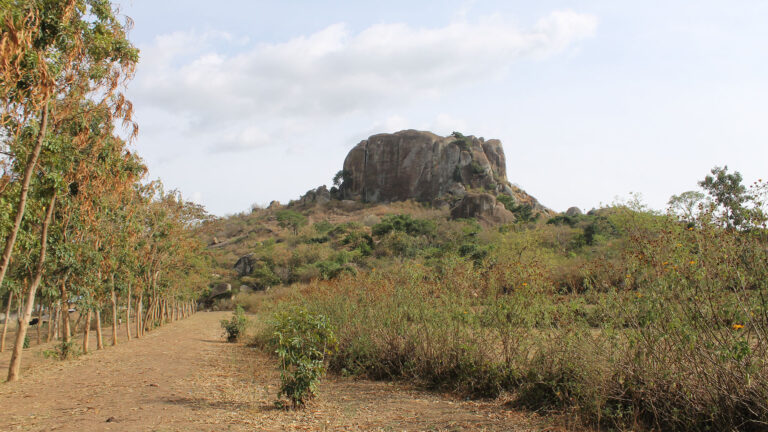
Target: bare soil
[184, 377]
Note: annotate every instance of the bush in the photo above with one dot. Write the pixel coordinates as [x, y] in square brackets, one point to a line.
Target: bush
[235, 326]
[301, 341]
[476, 168]
[63, 351]
[404, 223]
[291, 219]
[464, 142]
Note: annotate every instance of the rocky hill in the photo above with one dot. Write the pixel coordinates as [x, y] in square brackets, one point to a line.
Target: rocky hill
[426, 167]
[398, 195]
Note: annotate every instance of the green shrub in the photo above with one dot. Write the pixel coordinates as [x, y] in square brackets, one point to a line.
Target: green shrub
[473, 252]
[291, 219]
[322, 227]
[523, 212]
[262, 277]
[63, 351]
[404, 223]
[464, 142]
[476, 168]
[235, 326]
[301, 341]
[508, 201]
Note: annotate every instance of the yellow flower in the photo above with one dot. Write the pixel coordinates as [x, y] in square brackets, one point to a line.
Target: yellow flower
[665, 263]
[690, 229]
[692, 262]
[738, 326]
[525, 283]
[629, 276]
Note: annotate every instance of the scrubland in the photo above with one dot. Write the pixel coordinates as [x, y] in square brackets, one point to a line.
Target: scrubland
[624, 318]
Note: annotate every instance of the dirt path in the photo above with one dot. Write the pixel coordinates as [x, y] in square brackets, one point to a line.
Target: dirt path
[182, 377]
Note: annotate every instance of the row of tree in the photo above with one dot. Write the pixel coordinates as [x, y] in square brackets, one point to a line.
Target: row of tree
[80, 226]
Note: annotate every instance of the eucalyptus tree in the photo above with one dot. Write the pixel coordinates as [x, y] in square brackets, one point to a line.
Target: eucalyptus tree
[55, 53]
[91, 163]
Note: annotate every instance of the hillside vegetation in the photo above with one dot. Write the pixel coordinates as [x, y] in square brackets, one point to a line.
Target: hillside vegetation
[624, 317]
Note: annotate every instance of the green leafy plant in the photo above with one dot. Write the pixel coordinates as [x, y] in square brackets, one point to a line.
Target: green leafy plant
[291, 219]
[235, 326]
[476, 168]
[63, 351]
[464, 142]
[302, 340]
[404, 223]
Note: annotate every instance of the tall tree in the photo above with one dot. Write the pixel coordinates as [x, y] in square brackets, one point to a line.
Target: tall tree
[63, 51]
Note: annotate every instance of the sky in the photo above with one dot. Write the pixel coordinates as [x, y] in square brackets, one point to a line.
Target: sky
[242, 102]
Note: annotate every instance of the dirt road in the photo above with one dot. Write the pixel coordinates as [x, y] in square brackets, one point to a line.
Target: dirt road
[183, 377]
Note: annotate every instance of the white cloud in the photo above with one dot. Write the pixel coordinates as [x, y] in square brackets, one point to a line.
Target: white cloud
[234, 95]
[205, 99]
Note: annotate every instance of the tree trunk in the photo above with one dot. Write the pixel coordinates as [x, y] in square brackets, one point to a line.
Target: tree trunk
[138, 315]
[99, 340]
[162, 312]
[7, 318]
[53, 321]
[39, 321]
[21, 332]
[50, 322]
[128, 314]
[29, 170]
[77, 323]
[65, 329]
[113, 299]
[152, 315]
[18, 309]
[87, 332]
[147, 316]
[57, 323]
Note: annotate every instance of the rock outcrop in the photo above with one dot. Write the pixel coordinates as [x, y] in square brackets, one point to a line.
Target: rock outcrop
[483, 207]
[423, 166]
[320, 195]
[220, 291]
[244, 265]
[573, 211]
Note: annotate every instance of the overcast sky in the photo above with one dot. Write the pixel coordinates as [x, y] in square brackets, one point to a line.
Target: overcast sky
[246, 101]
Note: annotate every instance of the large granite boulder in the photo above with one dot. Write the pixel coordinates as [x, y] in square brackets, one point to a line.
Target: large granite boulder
[219, 291]
[483, 207]
[423, 166]
[244, 265]
[573, 212]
